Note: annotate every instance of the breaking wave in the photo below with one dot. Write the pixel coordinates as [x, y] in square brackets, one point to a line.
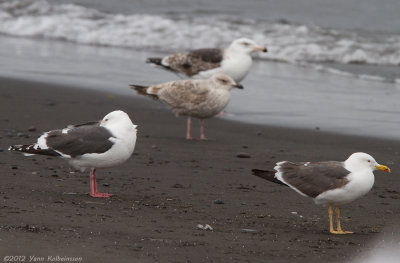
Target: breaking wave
[286, 42]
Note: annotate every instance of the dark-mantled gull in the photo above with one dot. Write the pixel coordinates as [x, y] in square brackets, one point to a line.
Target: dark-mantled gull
[198, 98]
[234, 61]
[100, 144]
[333, 183]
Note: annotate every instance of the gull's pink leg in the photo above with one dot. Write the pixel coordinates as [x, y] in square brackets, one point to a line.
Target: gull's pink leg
[189, 122]
[202, 136]
[93, 186]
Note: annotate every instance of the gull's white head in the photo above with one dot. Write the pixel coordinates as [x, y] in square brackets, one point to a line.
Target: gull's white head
[222, 81]
[359, 161]
[117, 119]
[247, 46]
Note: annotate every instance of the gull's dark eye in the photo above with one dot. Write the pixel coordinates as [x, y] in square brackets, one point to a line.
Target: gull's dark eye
[106, 120]
[223, 81]
[246, 44]
[369, 161]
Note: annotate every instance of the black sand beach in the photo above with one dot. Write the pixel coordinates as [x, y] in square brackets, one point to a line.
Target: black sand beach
[169, 185]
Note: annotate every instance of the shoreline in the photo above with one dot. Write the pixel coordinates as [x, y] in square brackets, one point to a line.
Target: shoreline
[169, 185]
[275, 94]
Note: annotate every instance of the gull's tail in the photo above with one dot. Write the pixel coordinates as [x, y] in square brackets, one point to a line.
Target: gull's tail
[267, 175]
[159, 62]
[142, 90]
[29, 149]
[156, 61]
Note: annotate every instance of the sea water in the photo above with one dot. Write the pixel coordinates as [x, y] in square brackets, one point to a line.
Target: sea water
[329, 72]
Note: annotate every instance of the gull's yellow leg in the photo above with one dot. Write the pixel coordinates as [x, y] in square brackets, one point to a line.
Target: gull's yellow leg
[330, 219]
[339, 227]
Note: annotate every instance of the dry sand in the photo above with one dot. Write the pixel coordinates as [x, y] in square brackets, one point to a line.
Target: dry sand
[169, 185]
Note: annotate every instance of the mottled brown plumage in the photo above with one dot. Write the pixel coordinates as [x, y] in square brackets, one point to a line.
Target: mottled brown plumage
[234, 61]
[191, 63]
[199, 98]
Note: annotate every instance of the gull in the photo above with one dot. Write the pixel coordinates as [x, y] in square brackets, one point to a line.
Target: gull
[100, 144]
[331, 182]
[198, 98]
[234, 61]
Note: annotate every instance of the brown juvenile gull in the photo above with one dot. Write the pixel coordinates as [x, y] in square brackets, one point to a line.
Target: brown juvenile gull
[234, 61]
[332, 182]
[198, 98]
[101, 144]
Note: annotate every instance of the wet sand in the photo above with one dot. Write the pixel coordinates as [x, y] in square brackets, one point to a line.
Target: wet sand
[169, 186]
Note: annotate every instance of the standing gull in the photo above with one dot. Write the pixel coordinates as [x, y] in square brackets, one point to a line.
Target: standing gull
[234, 61]
[333, 183]
[101, 144]
[199, 98]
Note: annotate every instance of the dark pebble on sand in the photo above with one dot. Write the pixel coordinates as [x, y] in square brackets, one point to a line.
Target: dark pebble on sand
[59, 202]
[218, 202]
[317, 128]
[259, 133]
[51, 103]
[177, 186]
[14, 167]
[1, 150]
[245, 146]
[248, 230]
[243, 155]
[32, 128]
[106, 184]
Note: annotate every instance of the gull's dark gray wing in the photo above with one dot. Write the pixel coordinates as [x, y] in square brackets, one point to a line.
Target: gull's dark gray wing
[314, 178]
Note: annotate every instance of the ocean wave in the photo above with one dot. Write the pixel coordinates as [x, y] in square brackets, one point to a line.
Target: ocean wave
[286, 42]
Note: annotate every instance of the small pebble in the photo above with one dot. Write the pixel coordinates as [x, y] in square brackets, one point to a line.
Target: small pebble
[205, 227]
[14, 167]
[389, 212]
[248, 230]
[32, 128]
[177, 186]
[218, 202]
[243, 155]
[106, 184]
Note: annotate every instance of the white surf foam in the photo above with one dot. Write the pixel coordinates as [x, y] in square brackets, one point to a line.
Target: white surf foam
[286, 42]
